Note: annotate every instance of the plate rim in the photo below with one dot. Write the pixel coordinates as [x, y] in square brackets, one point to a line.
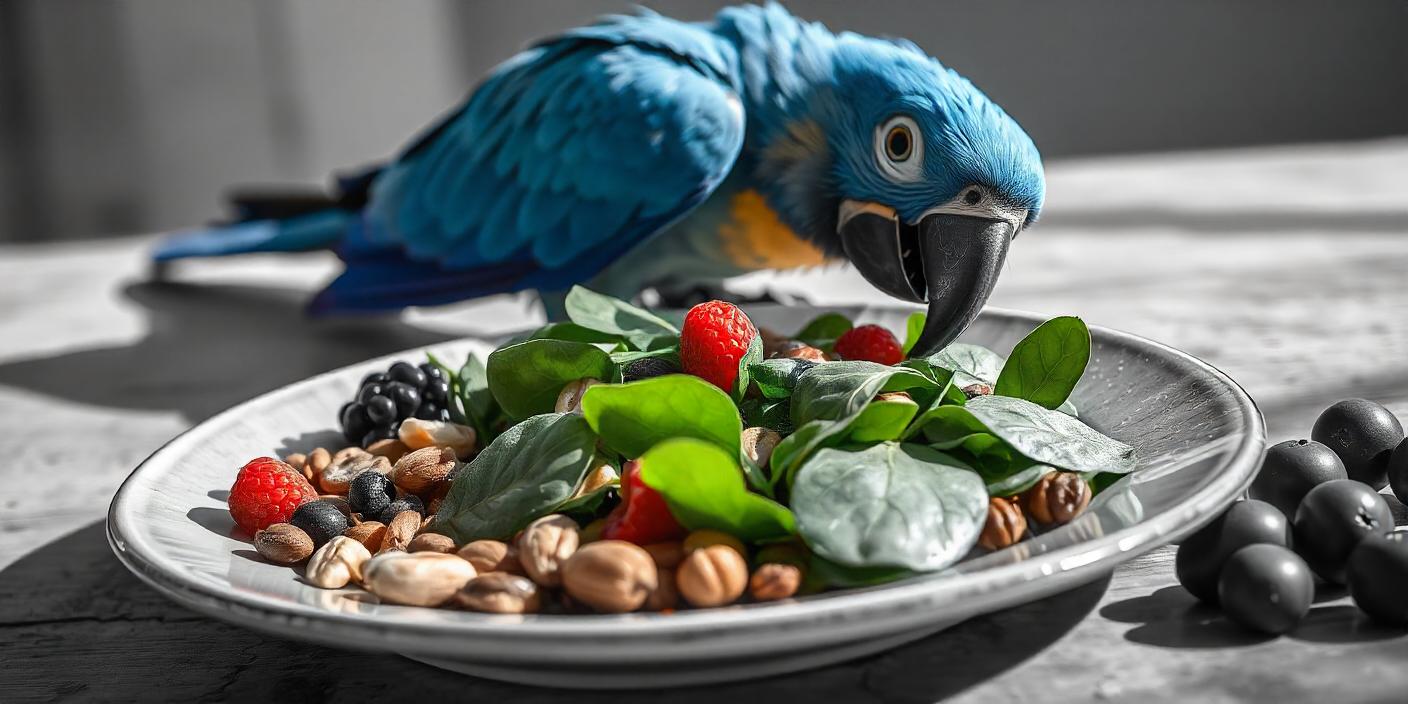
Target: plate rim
[267, 613]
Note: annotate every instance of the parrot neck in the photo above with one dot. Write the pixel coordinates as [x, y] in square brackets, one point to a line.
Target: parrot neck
[782, 77]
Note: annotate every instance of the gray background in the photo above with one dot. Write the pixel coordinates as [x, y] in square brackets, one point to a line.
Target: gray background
[134, 116]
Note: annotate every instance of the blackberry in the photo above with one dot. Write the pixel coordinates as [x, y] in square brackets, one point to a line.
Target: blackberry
[405, 396]
[355, 423]
[407, 374]
[436, 391]
[384, 399]
[370, 493]
[381, 410]
[321, 520]
[386, 432]
[648, 367]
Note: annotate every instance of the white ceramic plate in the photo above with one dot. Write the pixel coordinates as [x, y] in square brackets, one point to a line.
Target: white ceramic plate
[1198, 437]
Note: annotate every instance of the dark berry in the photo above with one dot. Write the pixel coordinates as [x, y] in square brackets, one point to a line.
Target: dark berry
[374, 378]
[370, 391]
[355, 423]
[1363, 434]
[1266, 588]
[649, 367]
[428, 410]
[407, 374]
[385, 432]
[1332, 519]
[409, 502]
[1291, 469]
[407, 398]
[381, 410]
[431, 371]
[1201, 556]
[370, 493]
[436, 390]
[1398, 471]
[1378, 578]
[321, 520]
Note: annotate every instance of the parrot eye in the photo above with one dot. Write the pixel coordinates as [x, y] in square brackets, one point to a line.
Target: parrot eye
[972, 196]
[899, 148]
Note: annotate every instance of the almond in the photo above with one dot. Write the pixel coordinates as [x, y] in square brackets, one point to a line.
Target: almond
[369, 534]
[419, 471]
[400, 532]
[283, 544]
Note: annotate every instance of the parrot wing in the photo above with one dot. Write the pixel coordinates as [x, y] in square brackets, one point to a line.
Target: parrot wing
[569, 155]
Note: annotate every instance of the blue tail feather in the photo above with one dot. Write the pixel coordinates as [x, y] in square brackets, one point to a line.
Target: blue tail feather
[298, 234]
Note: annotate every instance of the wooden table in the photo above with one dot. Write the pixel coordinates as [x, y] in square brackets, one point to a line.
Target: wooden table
[1285, 267]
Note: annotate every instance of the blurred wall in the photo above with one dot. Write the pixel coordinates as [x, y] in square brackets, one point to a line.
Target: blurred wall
[126, 116]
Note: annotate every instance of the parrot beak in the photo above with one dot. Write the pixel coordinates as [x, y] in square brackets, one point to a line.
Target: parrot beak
[949, 260]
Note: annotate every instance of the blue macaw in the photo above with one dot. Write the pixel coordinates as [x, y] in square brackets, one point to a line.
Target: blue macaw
[646, 152]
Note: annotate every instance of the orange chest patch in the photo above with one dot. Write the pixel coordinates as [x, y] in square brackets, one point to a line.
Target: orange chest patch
[754, 238]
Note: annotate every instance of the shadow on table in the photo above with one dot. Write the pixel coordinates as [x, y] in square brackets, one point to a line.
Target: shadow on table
[208, 347]
[73, 620]
[1172, 618]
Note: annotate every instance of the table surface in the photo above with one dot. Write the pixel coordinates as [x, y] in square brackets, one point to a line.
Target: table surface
[1283, 266]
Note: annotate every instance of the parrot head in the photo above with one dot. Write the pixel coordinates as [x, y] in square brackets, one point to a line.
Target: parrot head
[928, 179]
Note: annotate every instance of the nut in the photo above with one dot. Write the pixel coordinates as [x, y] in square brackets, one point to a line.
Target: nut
[569, 400]
[296, 460]
[432, 542]
[500, 593]
[283, 544]
[704, 538]
[391, 448]
[416, 579]
[492, 556]
[419, 434]
[611, 576]
[714, 575]
[666, 595]
[545, 544]
[894, 396]
[419, 471]
[1056, 499]
[1005, 524]
[347, 453]
[600, 476]
[336, 477]
[400, 532]
[775, 580]
[666, 555]
[318, 460]
[976, 390]
[758, 444]
[336, 563]
[369, 534]
[801, 350]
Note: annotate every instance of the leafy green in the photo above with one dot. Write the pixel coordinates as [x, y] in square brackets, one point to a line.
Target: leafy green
[767, 413]
[525, 473]
[703, 486]
[1020, 481]
[777, 377]
[632, 418]
[824, 329]
[913, 327]
[670, 354]
[840, 390]
[1050, 437]
[884, 419]
[1045, 366]
[595, 311]
[889, 505]
[572, 332]
[833, 574]
[526, 378]
[970, 364]
[749, 358]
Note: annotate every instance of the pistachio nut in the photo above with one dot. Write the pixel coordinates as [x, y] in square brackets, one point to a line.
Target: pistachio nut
[416, 579]
[337, 563]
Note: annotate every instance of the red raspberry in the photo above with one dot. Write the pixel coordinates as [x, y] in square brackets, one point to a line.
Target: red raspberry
[643, 517]
[266, 492]
[871, 343]
[715, 338]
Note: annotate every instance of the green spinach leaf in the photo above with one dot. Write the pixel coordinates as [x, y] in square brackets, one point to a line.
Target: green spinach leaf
[777, 377]
[840, 390]
[824, 329]
[526, 378]
[632, 418]
[970, 364]
[1050, 437]
[595, 311]
[913, 327]
[890, 505]
[525, 473]
[704, 488]
[752, 356]
[1020, 481]
[884, 419]
[572, 332]
[1045, 366]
